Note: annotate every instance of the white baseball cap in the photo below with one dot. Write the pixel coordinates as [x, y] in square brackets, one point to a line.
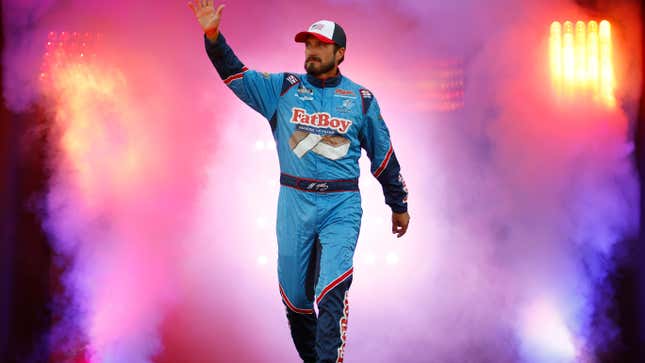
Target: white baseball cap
[326, 31]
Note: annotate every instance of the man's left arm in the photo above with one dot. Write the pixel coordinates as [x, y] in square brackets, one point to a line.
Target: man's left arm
[375, 139]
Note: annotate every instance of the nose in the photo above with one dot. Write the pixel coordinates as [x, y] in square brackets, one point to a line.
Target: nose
[309, 52]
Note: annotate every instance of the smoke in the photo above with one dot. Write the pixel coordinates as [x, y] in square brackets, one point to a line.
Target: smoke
[127, 164]
[523, 200]
[163, 186]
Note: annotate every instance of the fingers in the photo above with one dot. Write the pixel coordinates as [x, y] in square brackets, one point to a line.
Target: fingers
[402, 231]
[399, 231]
[196, 5]
[203, 3]
[220, 8]
[397, 228]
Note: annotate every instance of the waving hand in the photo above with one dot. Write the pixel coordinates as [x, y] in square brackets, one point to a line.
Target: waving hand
[208, 17]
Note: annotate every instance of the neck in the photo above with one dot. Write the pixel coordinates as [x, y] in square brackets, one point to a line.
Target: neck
[330, 74]
[329, 79]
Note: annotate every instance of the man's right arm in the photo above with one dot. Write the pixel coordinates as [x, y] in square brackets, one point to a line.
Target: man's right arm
[258, 90]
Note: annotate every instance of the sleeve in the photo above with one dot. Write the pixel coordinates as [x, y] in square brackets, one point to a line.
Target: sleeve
[375, 139]
[259, 90]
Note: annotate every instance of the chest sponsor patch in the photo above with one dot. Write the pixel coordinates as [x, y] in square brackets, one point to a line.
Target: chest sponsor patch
[319, 120]
[346, 106]
[304, 93]
[344, 93]
[292, 79]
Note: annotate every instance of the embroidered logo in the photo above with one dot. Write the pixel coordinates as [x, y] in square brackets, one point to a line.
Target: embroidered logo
[292, 79]
[322, 122]
[344, 92]
[319, 187]
[366, 94]
[405, 188]
[346, 106]
[304, 93]
[343, 329]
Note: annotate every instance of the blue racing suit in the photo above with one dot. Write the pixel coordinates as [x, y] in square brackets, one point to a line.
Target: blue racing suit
[319, 128]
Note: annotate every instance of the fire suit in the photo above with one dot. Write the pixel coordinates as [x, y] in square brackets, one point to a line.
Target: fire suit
[319, 127]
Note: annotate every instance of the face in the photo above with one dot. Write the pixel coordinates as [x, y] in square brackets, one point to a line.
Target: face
[320, 57]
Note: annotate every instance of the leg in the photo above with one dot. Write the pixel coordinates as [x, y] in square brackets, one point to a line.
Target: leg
[338, 236]
[296, 236]
[333, 310]
[303, 324]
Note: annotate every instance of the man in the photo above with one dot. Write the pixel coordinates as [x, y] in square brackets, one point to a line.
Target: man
[320, 121]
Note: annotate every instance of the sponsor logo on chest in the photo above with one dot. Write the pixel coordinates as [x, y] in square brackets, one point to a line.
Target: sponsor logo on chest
[346, 106]
[344, 93]
[304, 93]
[321, 120]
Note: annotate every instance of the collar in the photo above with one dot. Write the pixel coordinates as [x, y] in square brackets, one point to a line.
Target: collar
[329, 82]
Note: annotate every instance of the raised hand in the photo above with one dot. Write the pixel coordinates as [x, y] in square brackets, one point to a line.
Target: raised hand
[207, 16]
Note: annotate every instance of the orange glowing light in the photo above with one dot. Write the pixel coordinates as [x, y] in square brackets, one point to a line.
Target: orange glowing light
[96, 118]
[580, 58]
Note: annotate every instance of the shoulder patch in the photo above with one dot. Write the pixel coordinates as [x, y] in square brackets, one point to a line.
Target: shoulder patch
[367, 98]
[289, 81]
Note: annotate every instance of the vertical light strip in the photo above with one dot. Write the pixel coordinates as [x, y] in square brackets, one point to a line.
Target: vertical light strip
[606, 69]
[592, 56]
[568, 55]
[580, 58]
[581, 54]
[555, 51]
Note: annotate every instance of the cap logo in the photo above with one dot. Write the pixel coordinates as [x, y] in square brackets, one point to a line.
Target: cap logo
[317, 26]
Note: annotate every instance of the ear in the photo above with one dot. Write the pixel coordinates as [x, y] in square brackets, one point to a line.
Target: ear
[341, 52]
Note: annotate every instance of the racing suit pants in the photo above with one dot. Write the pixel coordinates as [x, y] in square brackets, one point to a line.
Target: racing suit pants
[317, 230]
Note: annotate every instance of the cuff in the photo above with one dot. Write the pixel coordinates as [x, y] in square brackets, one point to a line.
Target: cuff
[217, 47]
[399, 208]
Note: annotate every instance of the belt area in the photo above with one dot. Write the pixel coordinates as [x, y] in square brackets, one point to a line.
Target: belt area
[319, 186]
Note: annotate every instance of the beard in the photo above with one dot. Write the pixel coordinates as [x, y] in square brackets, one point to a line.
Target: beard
[316, 70]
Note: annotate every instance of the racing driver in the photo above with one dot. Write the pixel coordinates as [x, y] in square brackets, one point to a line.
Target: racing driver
[320, 121]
